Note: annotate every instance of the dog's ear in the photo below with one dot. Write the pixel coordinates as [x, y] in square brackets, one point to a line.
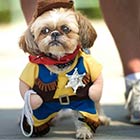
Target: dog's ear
[86, 31]
[27, 43]
[22, 43]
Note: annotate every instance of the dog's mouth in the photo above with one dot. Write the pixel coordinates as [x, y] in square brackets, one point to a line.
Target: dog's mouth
[55, 43]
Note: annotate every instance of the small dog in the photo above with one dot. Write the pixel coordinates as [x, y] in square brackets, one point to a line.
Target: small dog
[59, 75]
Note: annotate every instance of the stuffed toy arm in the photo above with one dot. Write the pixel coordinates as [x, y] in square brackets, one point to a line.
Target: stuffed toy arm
[35, 100]
[95, 91]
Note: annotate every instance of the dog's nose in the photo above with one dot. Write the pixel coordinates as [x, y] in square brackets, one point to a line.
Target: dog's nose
[55, 35]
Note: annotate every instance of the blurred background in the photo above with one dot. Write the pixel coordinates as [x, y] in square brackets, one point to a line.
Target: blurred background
[13, 60]
[10, 9]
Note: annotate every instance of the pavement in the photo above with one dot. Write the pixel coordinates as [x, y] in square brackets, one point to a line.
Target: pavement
[13, 60]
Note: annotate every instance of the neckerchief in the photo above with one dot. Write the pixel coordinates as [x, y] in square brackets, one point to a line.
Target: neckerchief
[42, 59]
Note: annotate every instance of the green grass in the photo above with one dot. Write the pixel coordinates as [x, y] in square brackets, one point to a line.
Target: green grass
[5, 16]
[90, 8]
[82, 4]
[91, 12]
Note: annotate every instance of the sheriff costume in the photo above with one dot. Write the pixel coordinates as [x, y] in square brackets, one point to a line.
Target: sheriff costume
[68, 89]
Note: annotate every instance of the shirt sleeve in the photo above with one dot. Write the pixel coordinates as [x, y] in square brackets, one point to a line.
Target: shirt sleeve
[93, 67]
[29, 74]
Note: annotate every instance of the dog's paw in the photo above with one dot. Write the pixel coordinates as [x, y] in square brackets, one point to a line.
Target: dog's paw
[84, 133]
[105, 120]
[102, 117]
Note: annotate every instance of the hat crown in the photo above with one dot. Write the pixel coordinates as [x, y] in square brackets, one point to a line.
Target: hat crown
[46, 5]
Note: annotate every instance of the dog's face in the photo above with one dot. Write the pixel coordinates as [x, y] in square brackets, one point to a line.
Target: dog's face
[57, 33]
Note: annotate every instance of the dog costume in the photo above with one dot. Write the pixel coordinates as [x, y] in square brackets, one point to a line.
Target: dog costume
[67, 89]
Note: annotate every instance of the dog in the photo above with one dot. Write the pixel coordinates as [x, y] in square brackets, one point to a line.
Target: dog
[60, 76]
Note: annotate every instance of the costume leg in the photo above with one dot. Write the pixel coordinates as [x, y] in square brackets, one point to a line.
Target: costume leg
[37, 131]
[85, 127]
[42, 118]
[87, 111]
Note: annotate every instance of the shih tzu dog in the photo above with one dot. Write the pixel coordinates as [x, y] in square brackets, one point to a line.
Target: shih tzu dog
[59, 75]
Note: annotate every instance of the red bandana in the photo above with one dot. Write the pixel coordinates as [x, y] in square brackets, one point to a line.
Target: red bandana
[41, 59]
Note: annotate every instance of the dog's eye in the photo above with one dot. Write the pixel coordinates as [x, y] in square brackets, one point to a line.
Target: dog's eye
[45, 31]
[65, 29]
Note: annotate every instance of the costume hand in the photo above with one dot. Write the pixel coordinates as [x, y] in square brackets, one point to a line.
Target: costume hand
[36, 101]
[95, 90]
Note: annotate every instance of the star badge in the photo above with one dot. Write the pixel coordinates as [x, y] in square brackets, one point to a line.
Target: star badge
[75, 80]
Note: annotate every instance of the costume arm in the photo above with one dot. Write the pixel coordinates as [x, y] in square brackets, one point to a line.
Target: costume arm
[94, 69]
[23, 87]
[27, 79]
[29, 74]
[95, 91]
